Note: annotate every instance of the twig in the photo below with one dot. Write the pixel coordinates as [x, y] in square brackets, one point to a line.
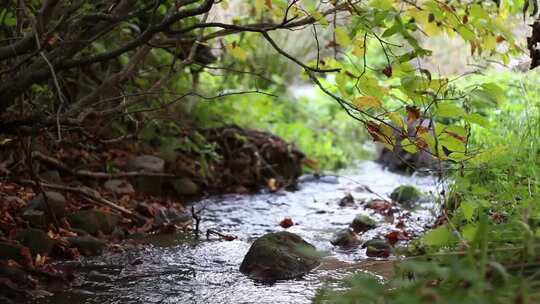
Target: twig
[96, 175]
[197, 219]
[39, 186]
[90, 194]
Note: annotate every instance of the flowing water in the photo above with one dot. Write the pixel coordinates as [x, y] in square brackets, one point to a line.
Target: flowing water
[181, 269]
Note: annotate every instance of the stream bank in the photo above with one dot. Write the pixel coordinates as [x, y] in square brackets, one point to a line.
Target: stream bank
[84, 199]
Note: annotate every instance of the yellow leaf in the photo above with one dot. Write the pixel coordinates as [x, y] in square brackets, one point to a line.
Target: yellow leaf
[396, 119]
[358, 49]
[237, 52]
[365, 102]
[319, 17]
[342, 36]
[225, 4]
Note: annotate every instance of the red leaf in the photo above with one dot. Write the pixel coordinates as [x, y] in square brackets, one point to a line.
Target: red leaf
[413, 113]
[395, 236]
[387, 71]
[286, 222]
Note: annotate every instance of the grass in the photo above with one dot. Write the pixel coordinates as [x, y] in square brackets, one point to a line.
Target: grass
[488, 251]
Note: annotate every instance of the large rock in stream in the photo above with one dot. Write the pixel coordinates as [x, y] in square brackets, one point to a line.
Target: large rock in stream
[278, 256]
[406, 195]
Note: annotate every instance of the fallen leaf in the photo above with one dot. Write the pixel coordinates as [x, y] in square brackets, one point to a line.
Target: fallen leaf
[286, 222]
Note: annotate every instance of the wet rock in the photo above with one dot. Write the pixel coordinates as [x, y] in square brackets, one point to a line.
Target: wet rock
[147, 163]
[168, 216]
[36, 240]
[87, 245]
[327, 179]
[377, 248]
[279, 255]
[56, 201]
[345, 238]
[36, 218]
[406, 195]
[93, 221]
[119, 187]
[185, 187]
[15, 274]
[51, 176]
[10, 251]
[362, 223]
[346, 201]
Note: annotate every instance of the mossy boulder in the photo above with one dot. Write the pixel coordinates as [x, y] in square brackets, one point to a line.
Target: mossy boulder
[362, 223]
[406, 195]
[185, 187]
[377, 248]
[36, 240]
[279, 255]
[345, 238]
[87, 245]
[93, 221]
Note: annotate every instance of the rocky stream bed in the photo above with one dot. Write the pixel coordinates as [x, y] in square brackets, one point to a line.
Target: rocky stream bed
[180, 268]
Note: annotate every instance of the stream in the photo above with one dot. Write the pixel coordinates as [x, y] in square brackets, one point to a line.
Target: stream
[182, 269]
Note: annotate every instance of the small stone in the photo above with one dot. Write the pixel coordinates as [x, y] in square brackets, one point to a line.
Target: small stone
[146, 163]
[345, 238]
[36, 240]
[93, 221]
[36, 218]
[119, 187]
[10, 251]
[56, 201]
[168, 216]
[346, 201]
[185, 187]
[406, 195]
[87, 245]
[362, 223]
[377, 248]
[279, 255]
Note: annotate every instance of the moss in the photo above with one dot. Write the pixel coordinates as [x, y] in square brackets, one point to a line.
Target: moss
[406, 194]
[280, 255]
[362, 223]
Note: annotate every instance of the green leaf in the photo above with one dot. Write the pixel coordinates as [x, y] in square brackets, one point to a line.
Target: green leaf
[452, 143]
[495, 91]
[477, 119]
[469, 232]
[468, 209]
[466, 33]
[408, 146]
[440, 236]
[450, 110]
[382, 4]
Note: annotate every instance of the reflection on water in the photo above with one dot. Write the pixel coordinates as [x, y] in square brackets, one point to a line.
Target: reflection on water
[180, 269]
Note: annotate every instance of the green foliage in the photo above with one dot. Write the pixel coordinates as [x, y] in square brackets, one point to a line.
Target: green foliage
[489, 250]
[315, 124]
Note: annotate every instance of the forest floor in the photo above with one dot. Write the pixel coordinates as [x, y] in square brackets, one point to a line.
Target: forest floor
[61, 201]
